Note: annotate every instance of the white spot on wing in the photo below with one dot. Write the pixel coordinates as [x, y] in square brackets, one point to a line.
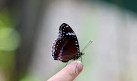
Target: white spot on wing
[70, 33]
[67, 26]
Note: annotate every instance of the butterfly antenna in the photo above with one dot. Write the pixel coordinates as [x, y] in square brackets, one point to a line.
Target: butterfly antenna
[87, 45]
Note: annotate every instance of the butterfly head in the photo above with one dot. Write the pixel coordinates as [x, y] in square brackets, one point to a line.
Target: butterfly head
[81, 53]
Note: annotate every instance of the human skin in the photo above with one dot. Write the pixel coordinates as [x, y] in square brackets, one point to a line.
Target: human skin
[68, 73]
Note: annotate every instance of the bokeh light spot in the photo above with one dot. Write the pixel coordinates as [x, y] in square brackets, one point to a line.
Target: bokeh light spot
[9, 39]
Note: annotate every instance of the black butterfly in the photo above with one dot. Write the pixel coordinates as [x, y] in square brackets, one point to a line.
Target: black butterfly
[66, 47]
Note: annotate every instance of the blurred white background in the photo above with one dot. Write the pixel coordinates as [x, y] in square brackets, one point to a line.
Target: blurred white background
[111, 56]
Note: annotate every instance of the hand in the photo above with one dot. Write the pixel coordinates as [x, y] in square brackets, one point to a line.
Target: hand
[68, 73]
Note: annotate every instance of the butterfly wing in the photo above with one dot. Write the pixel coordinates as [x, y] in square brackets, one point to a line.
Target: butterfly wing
[66, 46]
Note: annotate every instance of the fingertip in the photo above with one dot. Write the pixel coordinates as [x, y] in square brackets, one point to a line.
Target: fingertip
[78, 65]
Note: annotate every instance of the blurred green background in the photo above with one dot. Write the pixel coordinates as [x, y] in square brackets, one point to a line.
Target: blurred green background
[28, 29]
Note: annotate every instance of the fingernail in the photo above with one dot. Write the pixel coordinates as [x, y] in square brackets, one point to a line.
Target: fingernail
[79, 66]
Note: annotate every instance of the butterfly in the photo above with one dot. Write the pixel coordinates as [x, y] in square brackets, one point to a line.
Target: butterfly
[66, 46]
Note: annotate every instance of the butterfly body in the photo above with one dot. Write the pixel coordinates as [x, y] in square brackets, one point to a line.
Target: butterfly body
[66, 47]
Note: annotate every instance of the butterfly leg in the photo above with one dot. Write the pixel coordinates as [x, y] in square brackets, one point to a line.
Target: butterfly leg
[66, 64]
[81, 59]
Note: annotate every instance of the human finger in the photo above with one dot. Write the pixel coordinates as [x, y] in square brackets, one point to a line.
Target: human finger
[69, 73]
